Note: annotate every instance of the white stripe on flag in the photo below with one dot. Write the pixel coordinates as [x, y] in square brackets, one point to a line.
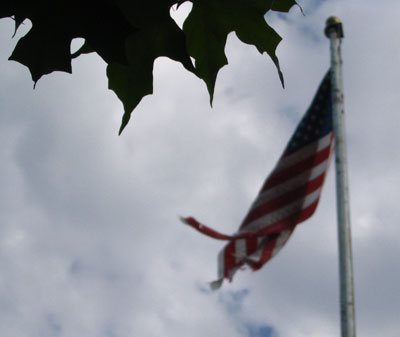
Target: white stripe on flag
[291, 184]
[221, 264]
[280, 242]
[305, 152]
[256, 256]
[240, 250]
[282, 212]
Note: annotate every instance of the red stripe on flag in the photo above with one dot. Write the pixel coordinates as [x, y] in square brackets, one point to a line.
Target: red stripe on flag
[229, 259]
[270, 239]
[267, 251]
[251, 245]
[206, 230]
[287, 223]
[279, 226]
[281, 176]
[283, 200]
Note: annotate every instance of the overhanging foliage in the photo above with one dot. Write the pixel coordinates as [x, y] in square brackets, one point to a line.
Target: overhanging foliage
[130, 34]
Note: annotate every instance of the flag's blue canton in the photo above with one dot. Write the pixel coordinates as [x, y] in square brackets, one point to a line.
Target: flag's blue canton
[317, 122]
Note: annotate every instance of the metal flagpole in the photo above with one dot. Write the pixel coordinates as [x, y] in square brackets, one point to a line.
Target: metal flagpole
[334, 32]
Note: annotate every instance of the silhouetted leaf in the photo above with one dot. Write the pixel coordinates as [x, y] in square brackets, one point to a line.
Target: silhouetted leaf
[210, 22]
[130, 34]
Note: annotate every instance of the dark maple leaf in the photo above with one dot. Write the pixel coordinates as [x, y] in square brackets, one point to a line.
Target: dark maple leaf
[130, 34]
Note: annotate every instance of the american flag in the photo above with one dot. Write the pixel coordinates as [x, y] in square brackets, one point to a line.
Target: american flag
[289, 195]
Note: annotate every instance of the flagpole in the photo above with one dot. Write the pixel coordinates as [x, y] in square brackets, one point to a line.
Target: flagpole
[334, 32]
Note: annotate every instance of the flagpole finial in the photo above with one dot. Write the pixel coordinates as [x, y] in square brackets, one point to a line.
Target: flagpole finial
[333, 23]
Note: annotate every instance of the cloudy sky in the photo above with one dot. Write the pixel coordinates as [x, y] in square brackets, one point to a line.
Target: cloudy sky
[90, 241]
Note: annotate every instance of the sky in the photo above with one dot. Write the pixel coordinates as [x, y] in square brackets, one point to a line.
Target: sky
[90, 239]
